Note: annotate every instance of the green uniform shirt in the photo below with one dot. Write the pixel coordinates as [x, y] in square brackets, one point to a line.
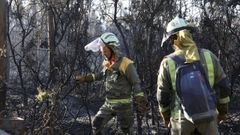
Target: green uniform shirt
[167, 96]
[120, 82]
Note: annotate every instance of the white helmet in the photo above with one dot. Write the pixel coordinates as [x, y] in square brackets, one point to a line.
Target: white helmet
[175, 25]
[107, 38]
[110, 38]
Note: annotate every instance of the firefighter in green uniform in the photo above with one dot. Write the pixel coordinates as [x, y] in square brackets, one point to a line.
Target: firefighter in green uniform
[121, 82]
[181, 40]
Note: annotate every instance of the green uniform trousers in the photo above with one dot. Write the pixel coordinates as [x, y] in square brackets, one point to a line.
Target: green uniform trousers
[188, 128]
[106, 113]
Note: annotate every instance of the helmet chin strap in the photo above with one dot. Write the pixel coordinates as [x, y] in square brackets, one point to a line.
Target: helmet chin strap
[111, 54]
[106, 58]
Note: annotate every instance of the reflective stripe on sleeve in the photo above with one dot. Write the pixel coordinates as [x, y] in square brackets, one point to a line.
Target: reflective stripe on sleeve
[224, 100]
[117, 101]
[94, 77]
[172, 71]
[163, 109]
[210, 68]
[140, 94]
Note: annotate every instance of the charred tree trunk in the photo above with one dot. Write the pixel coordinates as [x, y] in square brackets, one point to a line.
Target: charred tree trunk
[2, 54]
[51, 42]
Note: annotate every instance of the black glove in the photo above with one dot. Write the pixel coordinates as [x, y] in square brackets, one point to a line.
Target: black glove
[142, 104]
[80, 79]
[166, 118]
[222, 109]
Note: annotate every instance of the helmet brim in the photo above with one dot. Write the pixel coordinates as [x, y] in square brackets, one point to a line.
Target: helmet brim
[166, 36]
[94, 45]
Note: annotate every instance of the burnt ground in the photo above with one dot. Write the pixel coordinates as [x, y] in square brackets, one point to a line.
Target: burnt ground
[75, 117]
[230, 127]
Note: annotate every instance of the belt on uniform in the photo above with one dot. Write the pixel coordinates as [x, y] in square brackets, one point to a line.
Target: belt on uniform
[117, 101]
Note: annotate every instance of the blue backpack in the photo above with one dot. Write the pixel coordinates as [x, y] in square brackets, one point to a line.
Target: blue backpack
[198, 99]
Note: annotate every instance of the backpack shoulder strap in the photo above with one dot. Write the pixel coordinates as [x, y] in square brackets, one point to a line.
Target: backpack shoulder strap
[173, 62]
[172, 71]
[178, 59]
[124, 64]
[209, 63]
